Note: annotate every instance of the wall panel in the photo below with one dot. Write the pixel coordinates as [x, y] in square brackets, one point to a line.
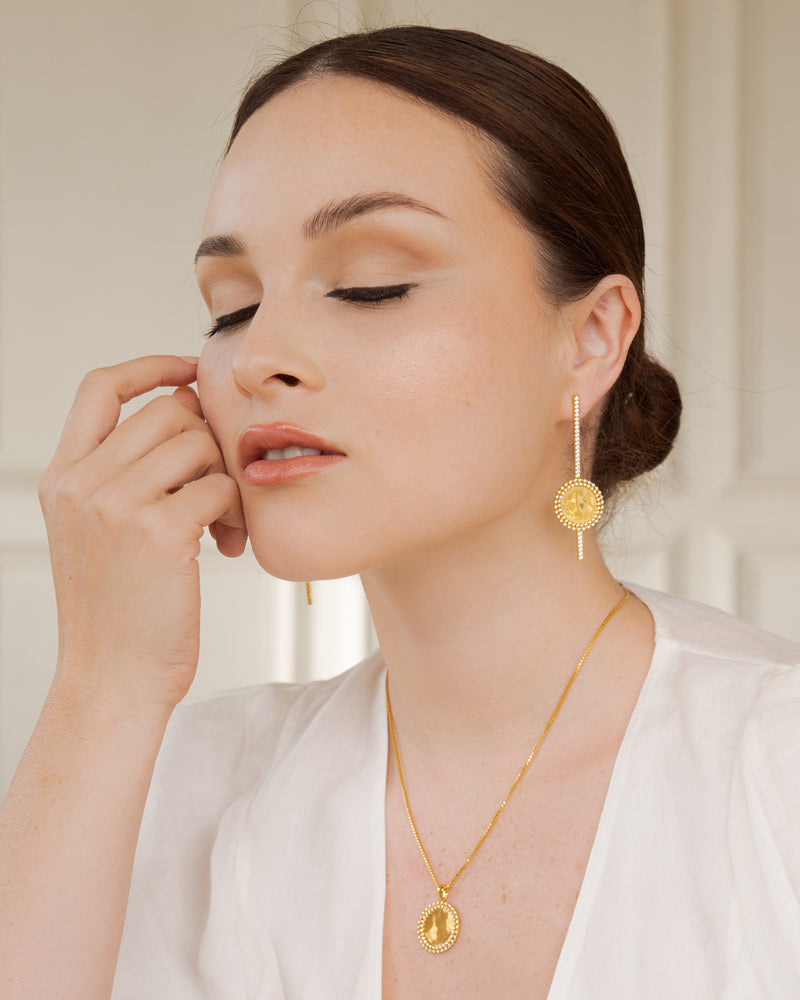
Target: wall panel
[768, 587]
[770, 376]
[112, 119]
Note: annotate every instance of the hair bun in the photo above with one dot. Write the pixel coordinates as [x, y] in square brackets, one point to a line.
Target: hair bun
[639, 423]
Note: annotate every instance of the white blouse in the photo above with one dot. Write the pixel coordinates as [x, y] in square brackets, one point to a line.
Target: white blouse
[260, 872]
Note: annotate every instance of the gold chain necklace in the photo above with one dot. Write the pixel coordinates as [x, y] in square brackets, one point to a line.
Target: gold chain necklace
[439, 923]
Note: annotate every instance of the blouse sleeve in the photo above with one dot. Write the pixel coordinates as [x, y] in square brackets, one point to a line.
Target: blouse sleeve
[180, 941]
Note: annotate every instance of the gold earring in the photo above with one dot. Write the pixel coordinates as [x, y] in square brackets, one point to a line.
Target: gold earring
[308, 593]
[579, 503]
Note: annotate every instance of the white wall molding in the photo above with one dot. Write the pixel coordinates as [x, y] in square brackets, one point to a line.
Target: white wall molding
[112, 121]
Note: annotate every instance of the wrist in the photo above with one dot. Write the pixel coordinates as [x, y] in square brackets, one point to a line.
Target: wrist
[125, 684]
[104, 709]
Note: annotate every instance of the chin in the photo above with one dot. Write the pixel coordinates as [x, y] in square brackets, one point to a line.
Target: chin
[302, 555]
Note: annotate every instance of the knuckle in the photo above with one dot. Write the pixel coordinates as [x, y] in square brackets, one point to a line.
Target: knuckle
[99, 507]
[201, 439]
[149, 523]
[218, 481]
[94, 379]
[105, 510]
[201, 446]
[44, 489]
[164, 406]
[68, 490]
[226, 487]
[171, 412]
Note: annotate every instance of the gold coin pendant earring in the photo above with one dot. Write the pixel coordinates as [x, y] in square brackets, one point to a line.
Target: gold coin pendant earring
[579, 503]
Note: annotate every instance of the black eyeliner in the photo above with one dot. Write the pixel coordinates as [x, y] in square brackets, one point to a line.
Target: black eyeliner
[371, 294]
[363, 294]
[233, 319]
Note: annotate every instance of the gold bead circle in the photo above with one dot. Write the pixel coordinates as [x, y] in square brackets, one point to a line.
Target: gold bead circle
[579, 504]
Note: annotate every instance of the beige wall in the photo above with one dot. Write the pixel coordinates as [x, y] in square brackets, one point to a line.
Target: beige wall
[112, 118]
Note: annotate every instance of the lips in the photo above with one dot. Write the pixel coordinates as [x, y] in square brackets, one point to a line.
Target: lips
[272, 454]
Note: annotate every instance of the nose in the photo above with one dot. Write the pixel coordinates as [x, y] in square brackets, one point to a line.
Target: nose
[272, 354]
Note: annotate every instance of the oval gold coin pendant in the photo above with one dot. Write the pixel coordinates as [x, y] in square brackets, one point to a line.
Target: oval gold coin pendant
[438, 926]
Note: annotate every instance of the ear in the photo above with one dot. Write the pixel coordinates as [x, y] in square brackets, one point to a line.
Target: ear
[602, 326]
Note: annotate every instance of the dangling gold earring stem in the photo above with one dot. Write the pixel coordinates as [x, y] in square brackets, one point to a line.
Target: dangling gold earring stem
[579, 503]
[308, 593]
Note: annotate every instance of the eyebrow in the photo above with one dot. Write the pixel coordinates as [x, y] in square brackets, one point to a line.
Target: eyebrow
[324, 220]
[220, 246]
[337, 213]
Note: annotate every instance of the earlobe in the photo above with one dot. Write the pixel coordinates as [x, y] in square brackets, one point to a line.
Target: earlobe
[604, 323]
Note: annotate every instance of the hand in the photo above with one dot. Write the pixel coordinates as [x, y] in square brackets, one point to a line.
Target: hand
[126, 506]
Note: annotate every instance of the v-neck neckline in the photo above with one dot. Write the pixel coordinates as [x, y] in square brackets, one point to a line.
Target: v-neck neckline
[572, 945]
[571, 948]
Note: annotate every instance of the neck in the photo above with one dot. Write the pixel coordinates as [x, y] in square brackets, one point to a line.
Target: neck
[481, 637]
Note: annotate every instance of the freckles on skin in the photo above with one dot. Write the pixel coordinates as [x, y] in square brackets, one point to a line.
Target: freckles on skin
[212, 389]
[463, 388]
[424, 155]
[441, 400]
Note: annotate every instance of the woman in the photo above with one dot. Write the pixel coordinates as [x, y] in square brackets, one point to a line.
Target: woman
[423, 258]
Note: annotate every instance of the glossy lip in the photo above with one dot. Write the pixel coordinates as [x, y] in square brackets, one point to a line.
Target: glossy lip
[258, 438]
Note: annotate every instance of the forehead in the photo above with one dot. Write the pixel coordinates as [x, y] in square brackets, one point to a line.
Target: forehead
[333, 137]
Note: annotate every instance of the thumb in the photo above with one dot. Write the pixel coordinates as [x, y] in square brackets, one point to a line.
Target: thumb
[230, 531]
[231, 539]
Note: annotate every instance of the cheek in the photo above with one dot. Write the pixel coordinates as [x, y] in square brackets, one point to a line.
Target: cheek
[418, 384]
[457, 407]
[214, 387]
[476, 369]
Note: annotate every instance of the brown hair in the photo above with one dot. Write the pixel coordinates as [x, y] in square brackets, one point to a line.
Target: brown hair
[558, 167]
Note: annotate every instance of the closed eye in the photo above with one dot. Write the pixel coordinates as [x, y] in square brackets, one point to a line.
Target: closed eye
[371, 294]
[363, 295]
[230, 320]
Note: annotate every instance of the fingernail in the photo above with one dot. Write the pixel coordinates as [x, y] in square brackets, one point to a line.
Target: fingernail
[191, 360]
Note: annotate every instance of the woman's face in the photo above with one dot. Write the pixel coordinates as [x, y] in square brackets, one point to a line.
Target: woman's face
[399, 328]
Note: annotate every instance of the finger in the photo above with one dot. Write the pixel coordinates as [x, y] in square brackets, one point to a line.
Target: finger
[186, 395]
[230, 530]
[230, 541]
[213, 498]
[181, 459]
[100, 397]
[190, 399]
[142, 432]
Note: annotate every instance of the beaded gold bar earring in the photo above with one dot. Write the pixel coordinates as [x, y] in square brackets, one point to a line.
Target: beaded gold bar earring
[308, 593]
[579, 503]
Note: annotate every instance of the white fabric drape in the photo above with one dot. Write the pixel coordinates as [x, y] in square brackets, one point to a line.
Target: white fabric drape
[260, 871]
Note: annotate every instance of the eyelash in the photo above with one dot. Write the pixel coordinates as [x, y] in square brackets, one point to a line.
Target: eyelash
[367, 295]
[230, 320]
[371, 294]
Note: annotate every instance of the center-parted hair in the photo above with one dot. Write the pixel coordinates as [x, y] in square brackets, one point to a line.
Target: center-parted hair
[558, 167]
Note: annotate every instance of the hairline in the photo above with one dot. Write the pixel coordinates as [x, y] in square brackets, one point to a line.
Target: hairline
[492, 156]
